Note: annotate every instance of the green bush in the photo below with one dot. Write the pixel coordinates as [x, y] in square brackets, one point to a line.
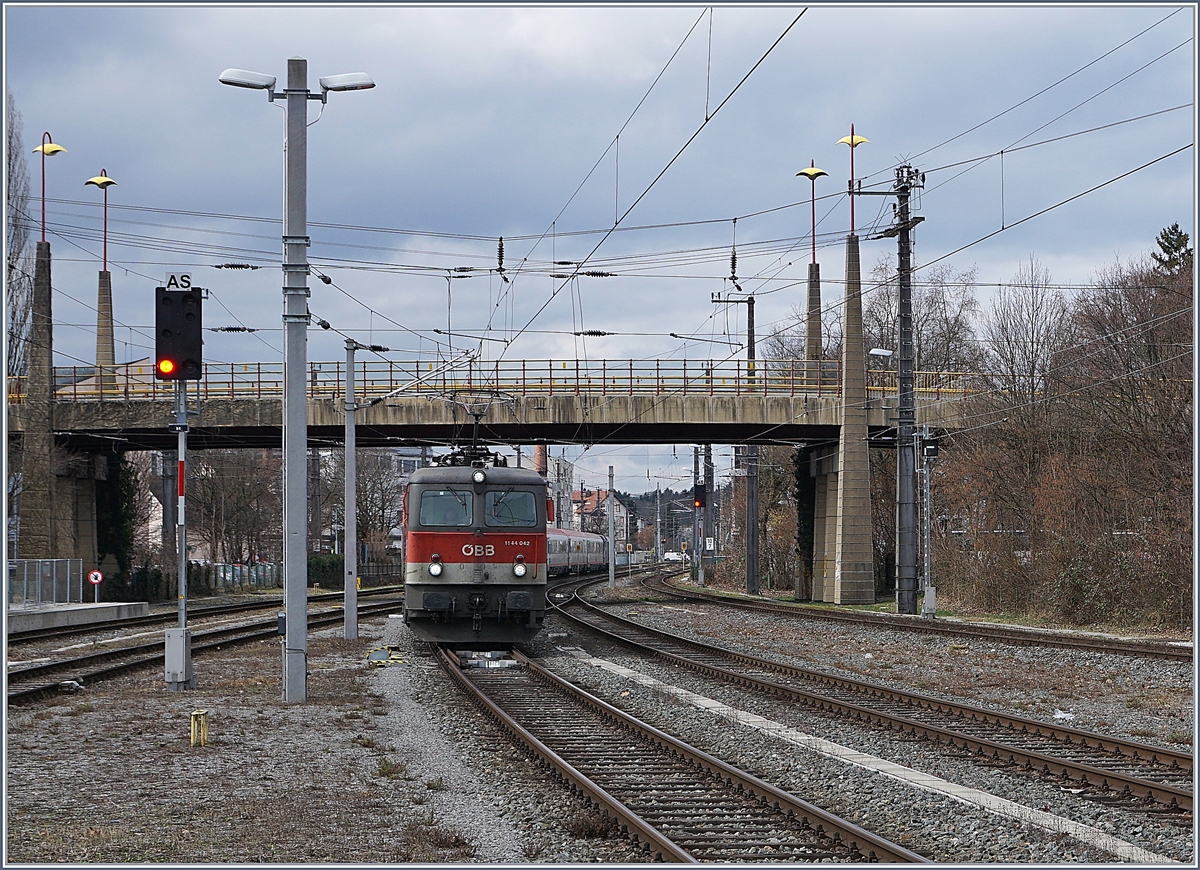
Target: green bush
[326, 571]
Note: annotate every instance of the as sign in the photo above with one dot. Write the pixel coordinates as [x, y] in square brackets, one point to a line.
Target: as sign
[178, 281]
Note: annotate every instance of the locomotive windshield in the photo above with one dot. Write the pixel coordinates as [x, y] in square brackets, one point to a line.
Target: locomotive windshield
[446, 507]
[511, 509]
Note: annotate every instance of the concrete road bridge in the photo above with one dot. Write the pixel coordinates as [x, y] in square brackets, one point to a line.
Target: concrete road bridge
[68, 422]
[518, 402]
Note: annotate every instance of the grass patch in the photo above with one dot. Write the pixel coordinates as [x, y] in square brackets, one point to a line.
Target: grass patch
[389, 769]
[590, 825]
[368, 742]
[428, 842]
[435, 784]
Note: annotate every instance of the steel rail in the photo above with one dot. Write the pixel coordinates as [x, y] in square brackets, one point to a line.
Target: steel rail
[151, 654]
[33, 635]
[1088, 774]
[629, 820]
[988, 631]
[868, 845]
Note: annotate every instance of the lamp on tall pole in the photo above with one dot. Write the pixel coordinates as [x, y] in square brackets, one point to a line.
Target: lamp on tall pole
[46, 149]
[295, 325]
[813, 349]
[103, 182]
[812, 173]
[853, 141]
[105, 350]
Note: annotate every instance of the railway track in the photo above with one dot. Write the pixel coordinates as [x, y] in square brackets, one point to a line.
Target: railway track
[18, 638]
[991, 632]
[684, 804]
[1109, 767]
[39, 680]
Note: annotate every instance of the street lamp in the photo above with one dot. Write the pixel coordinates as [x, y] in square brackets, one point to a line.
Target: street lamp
[295, 324]
[46, 149]
[853, 141]
[103, 182]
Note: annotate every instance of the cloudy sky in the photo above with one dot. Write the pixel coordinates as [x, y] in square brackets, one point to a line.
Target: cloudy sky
[547, 125]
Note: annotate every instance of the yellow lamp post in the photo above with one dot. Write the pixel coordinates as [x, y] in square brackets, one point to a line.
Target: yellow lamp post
[853, 141]
[813, 174]
[103, 182]
[46, 149]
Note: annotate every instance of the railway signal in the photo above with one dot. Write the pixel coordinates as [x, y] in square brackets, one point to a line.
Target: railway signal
[178, 337]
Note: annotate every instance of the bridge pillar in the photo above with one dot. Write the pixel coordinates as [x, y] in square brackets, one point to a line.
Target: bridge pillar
[58, 499]
[38, 538]
[854, 575]
[820, 552]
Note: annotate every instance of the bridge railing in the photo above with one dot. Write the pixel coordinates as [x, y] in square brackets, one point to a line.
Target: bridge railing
[373, 378]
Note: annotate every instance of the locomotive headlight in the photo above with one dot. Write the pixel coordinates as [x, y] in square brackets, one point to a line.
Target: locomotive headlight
[520, 568]
[478, 476]
[435, 565]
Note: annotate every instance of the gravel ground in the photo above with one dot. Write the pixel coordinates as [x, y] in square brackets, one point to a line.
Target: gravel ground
[390, 764]
[1146, 699]
[381, 764]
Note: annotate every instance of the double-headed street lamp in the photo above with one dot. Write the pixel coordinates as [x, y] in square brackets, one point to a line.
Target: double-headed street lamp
[295, 326]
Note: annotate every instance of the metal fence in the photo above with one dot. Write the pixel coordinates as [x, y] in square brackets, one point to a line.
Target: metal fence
[33, 582]
[374, 377]
[218, 577]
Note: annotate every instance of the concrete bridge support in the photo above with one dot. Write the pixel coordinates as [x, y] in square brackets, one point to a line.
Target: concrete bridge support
[854, 575]
[823, 467]
[58, 501]
[38, 535]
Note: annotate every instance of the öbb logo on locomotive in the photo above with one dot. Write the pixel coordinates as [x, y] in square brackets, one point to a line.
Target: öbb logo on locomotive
[469, 581]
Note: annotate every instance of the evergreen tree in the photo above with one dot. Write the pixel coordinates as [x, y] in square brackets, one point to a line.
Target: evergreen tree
[1176, 256]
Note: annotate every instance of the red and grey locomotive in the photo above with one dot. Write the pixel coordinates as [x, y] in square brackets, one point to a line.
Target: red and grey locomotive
[475, 552]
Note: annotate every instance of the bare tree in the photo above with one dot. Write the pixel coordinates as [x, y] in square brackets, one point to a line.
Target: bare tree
[235, 504]
[18, 278]
[945, 312]
[1026, 328]
[18, 275]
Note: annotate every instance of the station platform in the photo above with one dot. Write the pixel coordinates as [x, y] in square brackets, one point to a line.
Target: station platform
[44, 616]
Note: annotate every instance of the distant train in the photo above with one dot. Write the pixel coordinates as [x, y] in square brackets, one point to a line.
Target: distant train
[571, 552]
[476, 548]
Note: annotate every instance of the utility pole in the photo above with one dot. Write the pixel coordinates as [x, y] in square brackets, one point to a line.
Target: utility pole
[751, 453]
[907, 178]
[906, 418]
[178, 641]
[697, 521]
[928, 454]
[708, 504]
[612, 529]
[657, 522]
[295, 328]
[350, 502]
[295, 403]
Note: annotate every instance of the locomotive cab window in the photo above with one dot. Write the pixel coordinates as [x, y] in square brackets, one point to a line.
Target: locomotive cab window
[511, 508]
[446, 507]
